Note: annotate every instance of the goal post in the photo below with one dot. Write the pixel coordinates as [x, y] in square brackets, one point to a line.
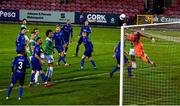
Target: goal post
[144, 19]
[156, 80]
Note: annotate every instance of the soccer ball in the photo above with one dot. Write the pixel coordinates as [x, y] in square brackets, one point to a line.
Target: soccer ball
[122, 16]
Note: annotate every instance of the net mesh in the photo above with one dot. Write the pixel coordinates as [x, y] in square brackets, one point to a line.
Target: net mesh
[157, 84]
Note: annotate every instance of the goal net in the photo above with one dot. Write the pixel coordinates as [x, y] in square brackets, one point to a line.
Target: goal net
[154, 77]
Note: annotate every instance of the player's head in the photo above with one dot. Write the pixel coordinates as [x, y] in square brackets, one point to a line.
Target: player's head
[58, 27]
[22, 52]
[36, 30]
[24, 21]
[86, 23]
[68, 21]
[39, 40]
[23, 30]
[33, 34]
[138, 34]
[84, 33]
[49, 33]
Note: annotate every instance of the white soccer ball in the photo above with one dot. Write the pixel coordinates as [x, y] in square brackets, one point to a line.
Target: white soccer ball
[122, 16]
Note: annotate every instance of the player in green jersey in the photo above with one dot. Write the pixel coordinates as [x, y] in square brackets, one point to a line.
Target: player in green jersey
[49, 54]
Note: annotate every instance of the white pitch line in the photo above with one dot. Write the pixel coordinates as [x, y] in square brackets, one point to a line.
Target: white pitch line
[64, 80]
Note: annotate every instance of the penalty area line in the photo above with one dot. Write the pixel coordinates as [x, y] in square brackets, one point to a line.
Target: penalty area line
[66, 80]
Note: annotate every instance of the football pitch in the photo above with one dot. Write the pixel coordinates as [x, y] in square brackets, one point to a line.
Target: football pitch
[71, 85]
[152, 85]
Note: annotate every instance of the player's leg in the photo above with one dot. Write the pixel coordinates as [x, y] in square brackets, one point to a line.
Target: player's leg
[34, 64]
[49, 71]
[13, 81]
[129, 67]
[78, 45]
[61, 56]
[66, 46]
[133, 59]
[82, 61]
[36, 78]
[43, 77]
[145, 58]
[21, 83]
[37, 71]
[91, 59]
[116, 68]
[32, 77]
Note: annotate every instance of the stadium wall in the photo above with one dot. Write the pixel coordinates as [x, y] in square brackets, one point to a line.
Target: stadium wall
[54, 16]
[76, 17]
[9, 15]
[165, 19]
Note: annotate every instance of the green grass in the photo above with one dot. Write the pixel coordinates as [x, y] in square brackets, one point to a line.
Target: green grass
[98, 88]
[152, 85]
[157, 85]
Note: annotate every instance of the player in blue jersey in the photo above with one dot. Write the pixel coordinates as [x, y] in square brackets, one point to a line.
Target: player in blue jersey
[88, 50]
[59, 44]
[20, 40]
[68, 31]
[19, 65]
[117, 51]
[24, 25]
[88, 31]
[37, 62]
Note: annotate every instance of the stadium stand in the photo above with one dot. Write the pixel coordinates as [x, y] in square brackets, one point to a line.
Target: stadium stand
[130, 7]
[174, 9]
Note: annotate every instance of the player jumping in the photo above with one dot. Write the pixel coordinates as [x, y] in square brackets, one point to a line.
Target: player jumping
[21, 62]
[68, 31]
[88, 50]
[138, 46]
[88, 29]
[59, 42]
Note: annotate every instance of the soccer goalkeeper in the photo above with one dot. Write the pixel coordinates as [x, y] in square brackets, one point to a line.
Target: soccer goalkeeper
[138, 45]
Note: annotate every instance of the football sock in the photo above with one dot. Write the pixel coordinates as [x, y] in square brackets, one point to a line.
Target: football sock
[93, 63]
[20, 91]
[114, 70]
[9, 91]
[32, 77]
[43, 77]
[82, 62]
